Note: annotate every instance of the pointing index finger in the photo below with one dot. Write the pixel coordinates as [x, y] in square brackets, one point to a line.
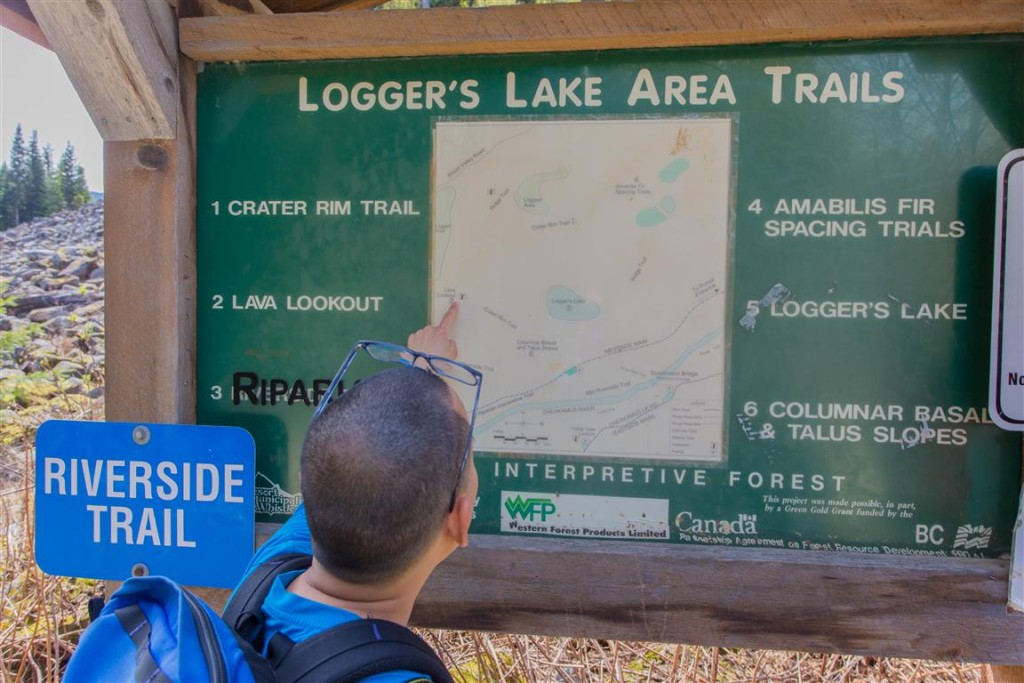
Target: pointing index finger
[449, 318]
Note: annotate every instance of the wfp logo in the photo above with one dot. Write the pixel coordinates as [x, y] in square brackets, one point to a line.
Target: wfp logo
[971, 537]
[529, 508]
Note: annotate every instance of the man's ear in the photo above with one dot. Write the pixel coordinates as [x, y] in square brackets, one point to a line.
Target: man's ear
[458, 520]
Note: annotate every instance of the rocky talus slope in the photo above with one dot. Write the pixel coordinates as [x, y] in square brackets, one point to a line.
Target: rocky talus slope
[51, 309]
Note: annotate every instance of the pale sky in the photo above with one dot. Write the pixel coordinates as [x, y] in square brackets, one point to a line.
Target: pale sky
[35, 92]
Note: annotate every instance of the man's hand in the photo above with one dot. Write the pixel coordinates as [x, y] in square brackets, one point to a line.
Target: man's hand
[436, 339]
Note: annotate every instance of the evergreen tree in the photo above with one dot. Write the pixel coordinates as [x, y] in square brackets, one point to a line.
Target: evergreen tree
[30, 185]
[71, 178]
[6, 209]
[54, 198]
[35, 198]
[82, 194]
[66, 175]
[17, 180]
[48, 159]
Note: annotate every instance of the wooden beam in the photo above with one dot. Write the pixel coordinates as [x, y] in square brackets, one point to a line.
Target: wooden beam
[589, 26]
[227, 8]
[259, 8]
[354, 4]
[16, 16]
[220, 8]
[919, 607]
[121, 57]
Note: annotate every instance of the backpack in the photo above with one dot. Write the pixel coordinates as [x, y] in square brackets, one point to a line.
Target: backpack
[155, 631]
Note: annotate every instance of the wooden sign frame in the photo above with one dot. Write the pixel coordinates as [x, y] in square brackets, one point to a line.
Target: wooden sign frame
[920, 607]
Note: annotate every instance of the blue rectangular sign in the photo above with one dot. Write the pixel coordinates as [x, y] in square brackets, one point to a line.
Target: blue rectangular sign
[115, 500]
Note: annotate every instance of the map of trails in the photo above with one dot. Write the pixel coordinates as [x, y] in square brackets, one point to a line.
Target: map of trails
[589, 259]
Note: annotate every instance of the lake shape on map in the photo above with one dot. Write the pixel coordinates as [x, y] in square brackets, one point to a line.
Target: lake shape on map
[565, 304]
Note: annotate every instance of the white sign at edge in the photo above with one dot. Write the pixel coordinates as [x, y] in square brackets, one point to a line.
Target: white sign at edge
[1007, 350]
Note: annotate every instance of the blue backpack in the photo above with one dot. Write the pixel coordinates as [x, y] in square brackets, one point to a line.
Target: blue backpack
[155, 631]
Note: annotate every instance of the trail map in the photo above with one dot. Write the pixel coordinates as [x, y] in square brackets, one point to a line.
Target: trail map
[590, 260]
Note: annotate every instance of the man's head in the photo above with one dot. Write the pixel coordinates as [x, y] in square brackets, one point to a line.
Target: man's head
[378, 468]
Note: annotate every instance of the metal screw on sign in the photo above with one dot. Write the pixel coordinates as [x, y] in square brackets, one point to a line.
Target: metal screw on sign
[140, 569]
[141, 435]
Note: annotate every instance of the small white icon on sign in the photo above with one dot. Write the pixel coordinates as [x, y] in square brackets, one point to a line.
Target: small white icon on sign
[271, 499]
[971, 537]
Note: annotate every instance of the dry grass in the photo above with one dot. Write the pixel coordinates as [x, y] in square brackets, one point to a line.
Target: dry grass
[43, 615]
[529, 659]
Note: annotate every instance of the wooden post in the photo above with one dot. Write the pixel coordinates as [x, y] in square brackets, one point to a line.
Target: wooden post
[122, 58]
[150, 279]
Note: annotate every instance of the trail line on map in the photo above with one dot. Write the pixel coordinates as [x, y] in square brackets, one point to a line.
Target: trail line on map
[451, 228]
[607, 355]
[608, 399]
[660, 405]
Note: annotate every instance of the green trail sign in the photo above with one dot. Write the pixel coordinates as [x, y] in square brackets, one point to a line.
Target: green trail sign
[734, 296]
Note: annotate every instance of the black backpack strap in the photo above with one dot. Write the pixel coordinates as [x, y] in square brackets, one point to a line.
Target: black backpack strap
[137, 626]
[208, 640]
[243, 612]
[344, 654]
[96, 603]
[356, 650]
